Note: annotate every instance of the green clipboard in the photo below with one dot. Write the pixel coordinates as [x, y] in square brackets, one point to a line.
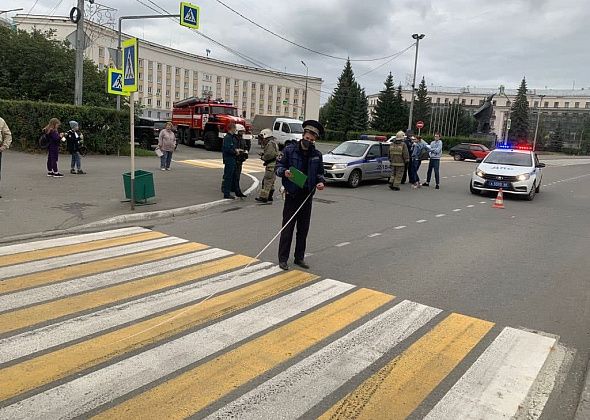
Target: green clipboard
[298, 177]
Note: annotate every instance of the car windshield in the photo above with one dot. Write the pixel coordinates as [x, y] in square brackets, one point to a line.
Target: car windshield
[485, 148]
[296, 128]
[160, 124]
[224, 110]
[509, 158]
[350, 149]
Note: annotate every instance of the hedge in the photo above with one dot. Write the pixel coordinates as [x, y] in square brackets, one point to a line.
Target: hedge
[104, 129]
[448, 142]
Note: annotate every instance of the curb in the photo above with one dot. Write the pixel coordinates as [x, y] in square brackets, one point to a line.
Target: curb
[583, 411]
[129, 218]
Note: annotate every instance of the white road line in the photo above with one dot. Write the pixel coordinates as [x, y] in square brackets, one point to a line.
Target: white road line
[80, 395]
[399, 227]
[456, 210]
[421, 221]
[308, 254]
[110, 278]
[341, 244]
[499, 380]
[445, 177]
[440, 215]
[374, 235]
[454, 176]
[470, 206]
[317, 376]
[73, 329]
[70, 240]
[483, 202]
[74, 259]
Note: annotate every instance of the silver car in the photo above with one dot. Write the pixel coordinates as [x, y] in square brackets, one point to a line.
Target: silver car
[357, 160]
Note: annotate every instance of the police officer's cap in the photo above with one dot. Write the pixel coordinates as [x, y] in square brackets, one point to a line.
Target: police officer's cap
[314, 127]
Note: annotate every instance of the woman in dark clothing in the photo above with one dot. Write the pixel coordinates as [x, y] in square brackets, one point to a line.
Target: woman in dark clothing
[54, 138]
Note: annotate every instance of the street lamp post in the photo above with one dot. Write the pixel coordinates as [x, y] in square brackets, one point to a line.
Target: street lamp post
[537, 125]
[305, 95]
[417, 37]
[502, 92]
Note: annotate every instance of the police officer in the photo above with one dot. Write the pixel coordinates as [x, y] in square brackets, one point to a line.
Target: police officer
[242, 149]
[269, 156]
[229, 152]
[407, 169]
[304, 157]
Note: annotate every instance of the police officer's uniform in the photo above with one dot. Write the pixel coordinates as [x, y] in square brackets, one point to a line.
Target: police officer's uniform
[269, 157]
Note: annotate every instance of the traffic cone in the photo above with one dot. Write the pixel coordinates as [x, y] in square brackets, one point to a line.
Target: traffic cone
[499, 203]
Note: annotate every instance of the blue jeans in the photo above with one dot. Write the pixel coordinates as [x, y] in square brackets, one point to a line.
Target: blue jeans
[433, 164]
[165, 160]
[76, 160]
[414, 171]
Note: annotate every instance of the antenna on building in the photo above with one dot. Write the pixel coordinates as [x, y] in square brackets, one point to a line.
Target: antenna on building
[208, 51]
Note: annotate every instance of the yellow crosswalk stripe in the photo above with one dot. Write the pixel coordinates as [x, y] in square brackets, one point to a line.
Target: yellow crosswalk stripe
[33, 315]
[195, 389]
[400, 386]
[77, 248]
[58, 364]
[28, 281]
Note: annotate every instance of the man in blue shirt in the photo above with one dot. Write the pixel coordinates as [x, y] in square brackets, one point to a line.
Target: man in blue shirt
[230, 153]
[435, 152]
[298, 200]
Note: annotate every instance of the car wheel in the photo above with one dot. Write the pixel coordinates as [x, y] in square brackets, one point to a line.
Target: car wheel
[473, 190]
[538, 189]
[210, 140]
[354, 178]
[457, 156]
[531, 194]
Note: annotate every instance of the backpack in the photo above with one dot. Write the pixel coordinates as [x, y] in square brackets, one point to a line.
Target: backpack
[424, 154]
[43, 141]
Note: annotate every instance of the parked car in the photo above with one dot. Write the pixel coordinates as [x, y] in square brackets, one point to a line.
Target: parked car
[357, 160]
[473, 151]
[286, 130]
[147, 131]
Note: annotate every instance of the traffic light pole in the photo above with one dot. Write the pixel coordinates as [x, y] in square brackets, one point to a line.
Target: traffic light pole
[79, 55]
[417, 38]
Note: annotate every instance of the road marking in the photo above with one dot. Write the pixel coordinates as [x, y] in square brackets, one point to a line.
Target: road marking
[247, 167]
[401, 385]
[454, 176]
[445, 177]
[399, 227]
[74, 398]
[440, 215]
[341, 244]
[193, 390]
[499, 380]
[470, 206]
[69, 240]
[374, 235]
[421, 221]
[456, 210]
[52, 366]
[66, 273]
[483, 202]
[317, 376]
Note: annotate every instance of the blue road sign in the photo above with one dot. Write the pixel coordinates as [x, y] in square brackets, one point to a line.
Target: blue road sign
[130, 64]
[189, 15]
[115, 82]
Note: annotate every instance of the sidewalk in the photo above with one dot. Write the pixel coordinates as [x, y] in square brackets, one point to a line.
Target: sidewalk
[32, 202]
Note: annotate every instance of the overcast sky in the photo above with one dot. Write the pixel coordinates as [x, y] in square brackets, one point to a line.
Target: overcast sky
[468, 42]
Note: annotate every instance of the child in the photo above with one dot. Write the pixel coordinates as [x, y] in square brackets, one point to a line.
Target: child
[54, 138]
[74, 142]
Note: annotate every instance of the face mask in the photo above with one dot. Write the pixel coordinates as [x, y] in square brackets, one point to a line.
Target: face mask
[305, 144]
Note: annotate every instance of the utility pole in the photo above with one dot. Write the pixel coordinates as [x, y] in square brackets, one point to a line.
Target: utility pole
[417, 37]
[79, 54]
[305, 95]
[537, 125]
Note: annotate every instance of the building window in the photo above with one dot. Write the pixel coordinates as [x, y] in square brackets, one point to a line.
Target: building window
[577, 105]
[446, 101]
[140, 88]
[150, 64]
[218, 79]
[587, 105]
[177, 71]
[470, 102]
[167, 93]
[149, 101]
[286, 110]
[245, 84]
[168, 69]
[262, 86]
[177, 95]
[149, 90]
[149, 114]
[140, 62]
[508, 103]
[101, 52]
[159, 80]
[186, 85]
[567, 104]
[159, 103]
[494, 102]
[236, 83]
[158, 92]
[269, 108]
[295, 101]
[150, 78]
[555, 104]
[186, 73]
[140, 76]
[287, 91]
[159, 66]
[438, 100]
[536, 104]
[463, 101]
[167, 104]
[244, 94]
[546, 104]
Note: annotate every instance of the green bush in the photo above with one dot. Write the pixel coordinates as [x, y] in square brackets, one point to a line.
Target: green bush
[105, 129]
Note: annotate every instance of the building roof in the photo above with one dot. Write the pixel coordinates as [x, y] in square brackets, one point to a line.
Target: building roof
[582, 92]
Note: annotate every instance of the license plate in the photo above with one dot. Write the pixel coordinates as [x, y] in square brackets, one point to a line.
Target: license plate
[499, 184]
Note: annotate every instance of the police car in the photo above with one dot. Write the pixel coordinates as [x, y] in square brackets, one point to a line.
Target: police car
[354, 161]
[515, 170]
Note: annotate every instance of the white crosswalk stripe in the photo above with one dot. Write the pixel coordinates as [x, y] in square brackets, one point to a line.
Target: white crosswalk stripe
[250, 166]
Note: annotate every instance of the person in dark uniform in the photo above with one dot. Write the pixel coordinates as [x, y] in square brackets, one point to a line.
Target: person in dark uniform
[242, 149]
[408, 141]
[306, 158]
[228, 150]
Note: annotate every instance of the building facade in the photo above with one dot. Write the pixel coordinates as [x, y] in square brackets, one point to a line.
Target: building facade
[167, 75]
[569, 109]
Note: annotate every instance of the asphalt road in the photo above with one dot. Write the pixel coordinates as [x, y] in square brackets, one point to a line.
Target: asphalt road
[524, 266]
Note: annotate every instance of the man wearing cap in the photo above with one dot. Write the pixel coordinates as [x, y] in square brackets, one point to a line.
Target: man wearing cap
[229, 153]
[304, 157]
[408, 141]
[399, 157]
[5, 140]
[242, 149]
[269, 155]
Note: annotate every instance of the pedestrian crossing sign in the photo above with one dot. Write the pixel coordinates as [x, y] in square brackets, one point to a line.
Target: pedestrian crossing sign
[115, 82]
[130, 65]
[189, 15]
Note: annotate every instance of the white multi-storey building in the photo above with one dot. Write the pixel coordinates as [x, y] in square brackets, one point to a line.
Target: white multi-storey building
[167, 75]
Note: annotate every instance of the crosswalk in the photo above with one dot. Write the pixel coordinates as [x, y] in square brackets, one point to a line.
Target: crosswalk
[248, 167]
[133, 323]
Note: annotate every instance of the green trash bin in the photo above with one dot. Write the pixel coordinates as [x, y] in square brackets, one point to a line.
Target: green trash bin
[144, 185]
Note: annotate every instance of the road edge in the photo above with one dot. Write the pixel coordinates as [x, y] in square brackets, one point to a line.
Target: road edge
[583, 410]
[130, 218]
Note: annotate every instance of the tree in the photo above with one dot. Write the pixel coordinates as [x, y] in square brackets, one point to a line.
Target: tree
[325, 111]
[519, 115]
[361, 116]
[384, 111]
[37, 67]
[556, 139]
[421, 105]
[401, 110]
[347, 104]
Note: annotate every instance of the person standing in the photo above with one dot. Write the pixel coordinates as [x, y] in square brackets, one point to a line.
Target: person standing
[407, 168]
[269, 156]
[419, 151]
[5, 141]
[304, 157]
[242, 150]
[229, 154]
[399, 156]
[73, 143]
[435, 152]
[167, 145]
[54, 138]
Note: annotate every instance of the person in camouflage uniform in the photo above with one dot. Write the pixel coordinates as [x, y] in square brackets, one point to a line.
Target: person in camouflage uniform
[269, 155]
[399, 156]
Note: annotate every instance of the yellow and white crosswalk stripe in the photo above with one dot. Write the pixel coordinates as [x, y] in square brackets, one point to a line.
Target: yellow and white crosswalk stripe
[249, 166]
[132, 323]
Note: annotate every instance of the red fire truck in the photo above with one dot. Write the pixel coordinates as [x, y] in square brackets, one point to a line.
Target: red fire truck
[204, 120]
